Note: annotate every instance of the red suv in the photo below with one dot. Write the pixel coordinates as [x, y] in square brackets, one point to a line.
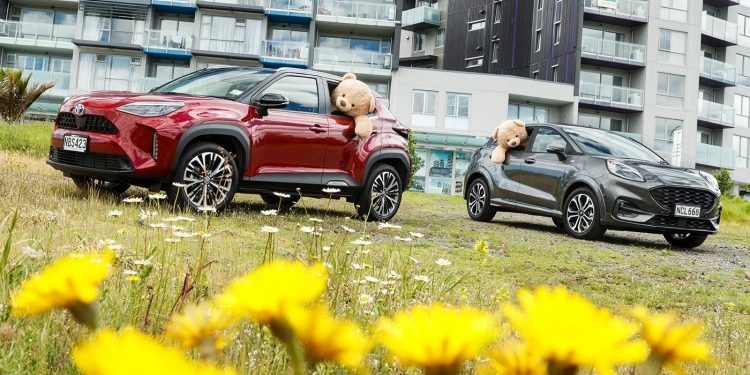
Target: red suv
[207, 135]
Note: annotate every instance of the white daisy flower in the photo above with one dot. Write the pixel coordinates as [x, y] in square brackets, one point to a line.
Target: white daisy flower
[170, 219]
[371, 279]
[133, 200]
[142, 262]
[157, 196]
[172, 240]
[269, 212]
[106, 242]
[331, 190]
[206, 209]
[269, 229]
[185, 218]
[365, 299]
[386, 292]
[281, 195]
[388, 226]
[181, 234]
[350, 230]
[316, 220]
[416, 234]
[32, 253]
[361, 242]
[443, 262]
[422, 278]
[114, 213]
[159, 226]
[179, 185]
[394, 275]
[326, 248]
[358, 266]
[402, 239]
[310, 230]
[129, 273]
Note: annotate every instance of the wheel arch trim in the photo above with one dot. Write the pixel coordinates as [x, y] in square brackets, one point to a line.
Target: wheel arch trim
[589, 182]
[208, 129]
[389, 154]
[473, 174]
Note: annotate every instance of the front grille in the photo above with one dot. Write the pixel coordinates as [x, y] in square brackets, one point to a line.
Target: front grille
[86, 123]
[681, 223]
[105, 162]
[668, 197]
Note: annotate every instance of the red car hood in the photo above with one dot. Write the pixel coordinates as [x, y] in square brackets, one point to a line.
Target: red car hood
[109, 99]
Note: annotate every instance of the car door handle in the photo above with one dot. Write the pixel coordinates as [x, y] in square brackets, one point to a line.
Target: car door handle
[529, 160]
[317, 128]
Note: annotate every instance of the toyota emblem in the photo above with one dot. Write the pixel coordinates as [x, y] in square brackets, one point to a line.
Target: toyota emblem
[78, 109]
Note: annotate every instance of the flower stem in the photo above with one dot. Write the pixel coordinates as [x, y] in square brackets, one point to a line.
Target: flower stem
[652, 366]
[296, 356]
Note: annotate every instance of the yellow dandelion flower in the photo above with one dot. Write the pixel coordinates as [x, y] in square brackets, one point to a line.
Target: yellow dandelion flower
[671, 342]
[437, 338]
[570, 332]
[481, 247]
[70, 282]
[514, 358]
[131, 352]
[267, 292]
[326, 338]
[199, 326]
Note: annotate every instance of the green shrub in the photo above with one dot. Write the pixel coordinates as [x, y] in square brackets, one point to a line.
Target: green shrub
[416, 162]
[725, 181]
[32, 138]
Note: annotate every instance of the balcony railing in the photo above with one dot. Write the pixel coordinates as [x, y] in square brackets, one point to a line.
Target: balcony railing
[229, 46]
[357, 10]
[112, 36]
[621, 8]
[718, 70]
[295, 6]
[613, 50]
[714, 156]
[353, 61]
[61, 80]
[37, 31]
[719, 28]
[286, 51]
[248, 3]
[420, 18]
[168, 41]
[716, 113]
[611, 95]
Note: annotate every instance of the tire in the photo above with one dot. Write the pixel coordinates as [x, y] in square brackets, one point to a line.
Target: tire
[272, 201]
[381, 195]
[478, 201]
[585, 225]
[115, 188]
[685, 240]
[559, 223]
[210, 174]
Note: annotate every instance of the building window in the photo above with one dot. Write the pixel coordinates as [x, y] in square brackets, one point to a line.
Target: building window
[474, 62]
[672, 47]
[458, 105]
[741, 111]
[606, 121]
[674, 10]
[743, 25]
[557, 28]
[535, 74]
[419, 42]
[229, 34]
[743, 70]
[538, 41]
[540, 5]
[495, 51]
[498, 11]
[532, 114]
[555, 69]
[424, 102]
[440, 39]
[741, 147]
[476, 25]
[670, 90]
[665, 128]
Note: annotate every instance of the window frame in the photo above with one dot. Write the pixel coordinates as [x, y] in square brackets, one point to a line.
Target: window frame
[537, 129]
[425, 94]
[669, 85]
[669, 50]
[323, 104]
[456, 111]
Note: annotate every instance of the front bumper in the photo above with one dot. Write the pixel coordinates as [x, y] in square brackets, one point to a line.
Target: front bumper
[651, 207]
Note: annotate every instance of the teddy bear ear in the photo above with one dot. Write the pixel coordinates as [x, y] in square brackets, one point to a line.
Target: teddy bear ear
[372, 103]
[349, 76]
[494, 134]
[519, 123]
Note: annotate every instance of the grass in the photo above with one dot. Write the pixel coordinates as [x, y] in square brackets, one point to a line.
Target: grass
[30, 138]
[711, 284]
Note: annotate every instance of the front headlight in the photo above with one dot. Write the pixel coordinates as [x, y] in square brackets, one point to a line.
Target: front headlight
[625, 171]
[711, 180]
[151, 109]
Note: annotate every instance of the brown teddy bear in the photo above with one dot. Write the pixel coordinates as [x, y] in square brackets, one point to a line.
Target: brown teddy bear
[510, 134]
[354, 98]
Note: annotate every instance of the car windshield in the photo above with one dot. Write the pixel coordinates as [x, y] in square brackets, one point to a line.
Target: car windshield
[598, 142]
[219, 83]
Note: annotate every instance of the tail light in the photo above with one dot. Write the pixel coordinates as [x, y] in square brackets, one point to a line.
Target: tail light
[402, 130]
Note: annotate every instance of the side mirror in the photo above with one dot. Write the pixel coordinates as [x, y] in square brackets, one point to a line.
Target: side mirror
[557, 149]
[269, 101]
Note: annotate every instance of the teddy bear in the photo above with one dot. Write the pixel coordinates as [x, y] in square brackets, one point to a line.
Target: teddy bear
[510, 134]
[354, 98]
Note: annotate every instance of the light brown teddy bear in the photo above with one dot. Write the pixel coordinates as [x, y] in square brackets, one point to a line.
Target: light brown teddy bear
[354, 98]
[510, 134]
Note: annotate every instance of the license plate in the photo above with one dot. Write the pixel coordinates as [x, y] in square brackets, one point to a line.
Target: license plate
[77, 143]
[687, 211]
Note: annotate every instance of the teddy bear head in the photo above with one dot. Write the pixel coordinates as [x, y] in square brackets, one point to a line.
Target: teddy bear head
[511, 134]
[353, 97]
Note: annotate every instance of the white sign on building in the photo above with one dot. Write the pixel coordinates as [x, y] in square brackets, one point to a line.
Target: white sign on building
[677, 147]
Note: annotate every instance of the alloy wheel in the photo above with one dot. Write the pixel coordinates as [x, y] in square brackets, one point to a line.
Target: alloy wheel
[208, 178]
[580, 213]
[477, 196]
[385, 193]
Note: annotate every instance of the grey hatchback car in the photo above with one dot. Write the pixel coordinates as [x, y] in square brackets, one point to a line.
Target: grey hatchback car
[590, 180]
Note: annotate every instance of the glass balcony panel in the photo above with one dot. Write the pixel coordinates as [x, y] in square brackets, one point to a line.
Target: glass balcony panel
[622, 8]
[611, 95]
[425, 16]
[719, 28]
[287, 50]
[611, 50]
[717, 113]
[718, 70]
[348, 59]
[714, 156]
[37, 31]
[168, 40]
[304, 6]
[358, 9]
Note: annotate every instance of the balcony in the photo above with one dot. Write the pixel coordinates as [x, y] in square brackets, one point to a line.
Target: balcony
[94, 36]
[252, 6]
[174, 6]
[342, 13]
[289, 11]
[36, 36]
[224, 48]
[277, 54]
[61, 80]
[717, 73]
[420, 18]
[622, 12]
[715, 115]
[170, 45]
[363, 63]
[718, 32]
[714, 156]
[611, 98]
[613, 54]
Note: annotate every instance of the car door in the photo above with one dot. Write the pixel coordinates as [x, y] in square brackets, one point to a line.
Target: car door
[507, 176]
[542, 173]
[289, 144]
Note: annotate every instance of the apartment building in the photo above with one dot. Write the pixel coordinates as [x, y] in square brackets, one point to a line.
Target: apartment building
[664, 70]
[136, 45]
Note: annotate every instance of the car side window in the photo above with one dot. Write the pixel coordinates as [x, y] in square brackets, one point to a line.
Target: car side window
[544, 137]
[302, 93]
